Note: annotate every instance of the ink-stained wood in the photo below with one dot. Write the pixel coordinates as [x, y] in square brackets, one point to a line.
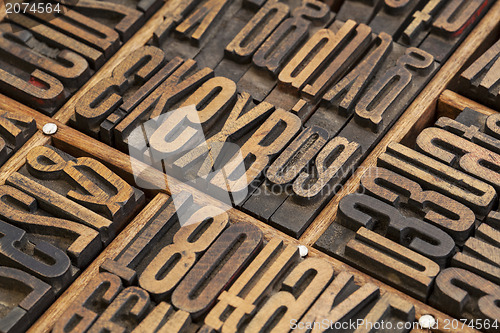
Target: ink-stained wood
[466, 295]
[15, 130]
[287, 265]
[394, 16]
[24, 298]
[47, 234]
[417, 117]
[58, 56]
[362, 211]
[394, 264]
[480, 80]
[476, 194]
[181, 28]
[455, 218]
[442, 25]
[462, 154]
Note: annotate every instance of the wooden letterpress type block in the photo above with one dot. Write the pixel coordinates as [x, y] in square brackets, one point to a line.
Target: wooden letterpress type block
[465, 295]
[58, 212]
[394, 16]
[24, 298]
[361, 210]
[439, 177]
[15, 130]
[282, 45]
[453, 217]
[338, 103]
[389, 93]
[461, 154]
[193, 25]
[39, 75]
[126, 20]
[382, 258]
[475, 132]
[97, 35]
[480, 254]
[438, 29]
[309, 182]
[97, 108]
[480, 80]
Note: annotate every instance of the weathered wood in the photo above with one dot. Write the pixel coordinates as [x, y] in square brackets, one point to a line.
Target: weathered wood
[311, 186]
[89, 303]
[111, 93]
[394, 16]
[125, 20]
[480, 254]
[379, 256]
[454, 218]
[24, 298]
[461, 153]
[476, 194]
[360, 210]
[270, 265]
[450, 104]
[480, 80]
[437, 28]
[232, 251]
[466, 295]
[15, 130]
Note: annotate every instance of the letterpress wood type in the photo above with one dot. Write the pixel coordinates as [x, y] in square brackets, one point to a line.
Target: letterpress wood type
[441, 25]
[312, 180]
[439, 177]
[380, 257]
[454, 218]
[337, 105]
[178, 79]
[193, 25]
[116, 91]
[24, 298]
[461, 154]
[480, 254]
[126, 20]
[466, 295]
[391, 263]
[84, 29]
[394, 16]
[480, 80]
[493, 125]
[474, 132]
[282, 45]
[15, 130]
[38, 75]
[59, 213]
[323, 60]
[36, 257]
[360, 210]
[387, 96]
[89, 303]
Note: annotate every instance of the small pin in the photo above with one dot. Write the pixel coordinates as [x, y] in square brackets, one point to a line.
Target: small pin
[49, 128]
[303, 251]
[427, 321]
